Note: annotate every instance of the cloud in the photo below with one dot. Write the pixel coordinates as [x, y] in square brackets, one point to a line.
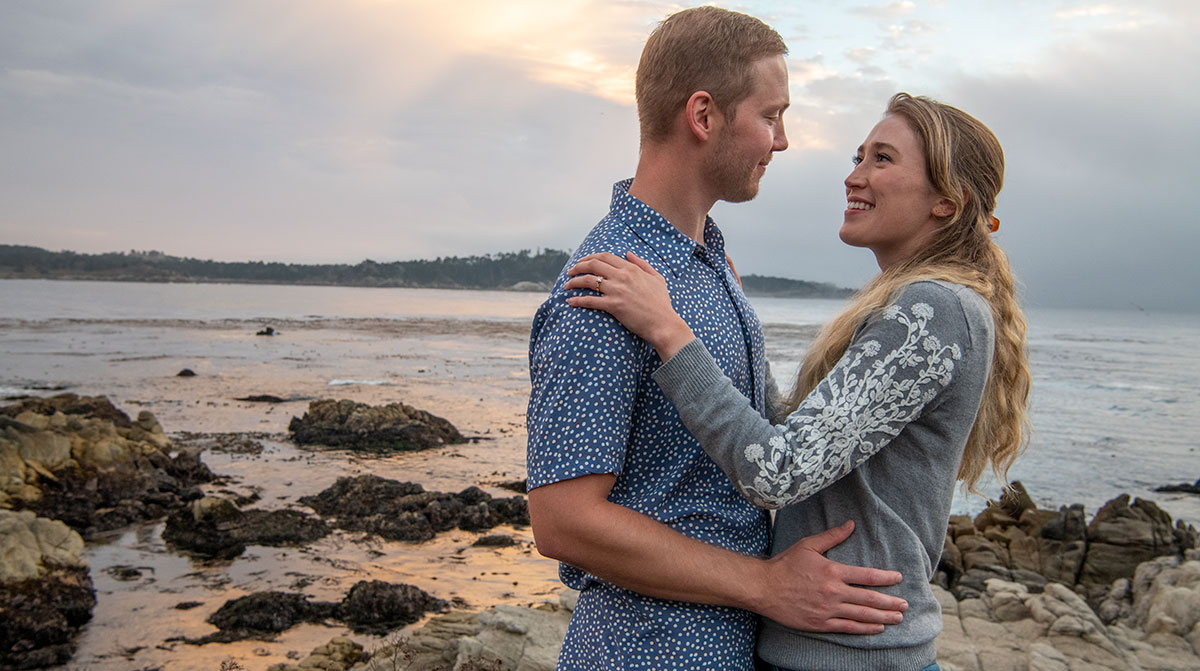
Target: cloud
[313, 131]
[885, 12]
[1084, 11]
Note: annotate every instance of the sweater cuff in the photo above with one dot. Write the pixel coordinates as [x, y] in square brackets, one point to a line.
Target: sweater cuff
[690, 373]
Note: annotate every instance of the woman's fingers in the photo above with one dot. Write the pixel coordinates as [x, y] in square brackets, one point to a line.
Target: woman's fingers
[642, 263]
[583, 282]
[598, 264]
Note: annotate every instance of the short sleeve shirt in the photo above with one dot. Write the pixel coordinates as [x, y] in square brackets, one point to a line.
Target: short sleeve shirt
[594, 408]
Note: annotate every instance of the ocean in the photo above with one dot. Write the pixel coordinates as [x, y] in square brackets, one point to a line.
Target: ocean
[1115, 409]
[1115, 404]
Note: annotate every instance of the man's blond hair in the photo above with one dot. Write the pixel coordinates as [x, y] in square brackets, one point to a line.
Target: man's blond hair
[700, 49]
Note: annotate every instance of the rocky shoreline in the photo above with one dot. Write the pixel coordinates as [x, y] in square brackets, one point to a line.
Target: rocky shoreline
[1021, 588]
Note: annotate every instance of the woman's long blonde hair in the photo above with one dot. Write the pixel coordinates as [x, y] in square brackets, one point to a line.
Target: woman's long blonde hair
[965, 164]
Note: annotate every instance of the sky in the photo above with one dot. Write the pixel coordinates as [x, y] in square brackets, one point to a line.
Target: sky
[335, 131]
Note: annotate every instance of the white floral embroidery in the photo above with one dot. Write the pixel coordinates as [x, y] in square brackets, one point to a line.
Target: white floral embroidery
[865, 401]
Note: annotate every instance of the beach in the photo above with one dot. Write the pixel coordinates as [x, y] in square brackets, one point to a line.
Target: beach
[461, 356]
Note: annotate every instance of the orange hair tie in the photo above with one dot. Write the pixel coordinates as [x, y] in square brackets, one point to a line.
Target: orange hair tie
[995, 225]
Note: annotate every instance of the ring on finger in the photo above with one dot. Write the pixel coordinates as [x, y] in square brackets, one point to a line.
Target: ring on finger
[599, 280]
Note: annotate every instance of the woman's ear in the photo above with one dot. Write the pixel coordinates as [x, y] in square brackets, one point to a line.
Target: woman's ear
[944, 208]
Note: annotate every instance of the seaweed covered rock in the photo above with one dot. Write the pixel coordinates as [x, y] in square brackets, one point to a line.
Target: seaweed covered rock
[83, 461]
[262, 615]
[378, 607]
[46, 593]
[216, 528]
[405, 511]
[359, 426]
[373, 606]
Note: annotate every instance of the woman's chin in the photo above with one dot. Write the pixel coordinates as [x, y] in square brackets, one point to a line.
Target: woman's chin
[849, 236]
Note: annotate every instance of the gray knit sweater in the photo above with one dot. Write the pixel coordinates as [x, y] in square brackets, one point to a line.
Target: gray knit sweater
[878, 441]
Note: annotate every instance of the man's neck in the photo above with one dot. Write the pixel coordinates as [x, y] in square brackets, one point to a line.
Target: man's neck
[669, 182]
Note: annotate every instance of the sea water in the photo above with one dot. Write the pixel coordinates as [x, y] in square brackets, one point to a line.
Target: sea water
[1115, 403]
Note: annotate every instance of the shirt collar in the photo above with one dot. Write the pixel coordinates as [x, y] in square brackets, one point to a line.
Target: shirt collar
[670, 244]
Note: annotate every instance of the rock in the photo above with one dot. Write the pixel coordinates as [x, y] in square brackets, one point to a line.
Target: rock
[1121, 536]
[261, 398]
[405, 511]
[262, 615]
[369, 607]
[504, 637]
[377, 607]
[205, 528]
[518, 486]
[376, 428]
[1014, 541]
[46, 593]
[30, 543]
[266, 331]
[515, 638]
[337, 655]
[83, 461]
[495, 541]
[1181, 487]
[216, 528]
[186, 372]
[526, 285]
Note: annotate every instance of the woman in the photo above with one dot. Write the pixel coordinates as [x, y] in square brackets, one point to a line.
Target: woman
[920, 382]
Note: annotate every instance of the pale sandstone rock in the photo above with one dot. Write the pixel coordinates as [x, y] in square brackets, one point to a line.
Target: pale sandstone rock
[521, 639]
[338, 654]
[28, 543]
[44, 450]
[1044, 657]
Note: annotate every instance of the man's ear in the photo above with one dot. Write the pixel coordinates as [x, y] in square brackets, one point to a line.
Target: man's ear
[701, 115]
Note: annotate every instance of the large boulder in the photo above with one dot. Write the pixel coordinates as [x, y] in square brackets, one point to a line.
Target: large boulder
[46, 592]
[83, 461]
[349, 424]
[405, 511]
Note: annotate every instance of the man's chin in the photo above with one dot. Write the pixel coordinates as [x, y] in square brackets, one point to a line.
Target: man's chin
[742, 195]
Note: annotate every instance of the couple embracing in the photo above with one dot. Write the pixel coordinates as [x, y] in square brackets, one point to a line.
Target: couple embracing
[658, 439]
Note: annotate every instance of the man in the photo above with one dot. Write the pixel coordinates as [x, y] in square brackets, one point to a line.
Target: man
[666, 554]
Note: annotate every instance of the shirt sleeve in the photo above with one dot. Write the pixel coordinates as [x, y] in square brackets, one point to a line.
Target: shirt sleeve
[894, 368]
[585, 370]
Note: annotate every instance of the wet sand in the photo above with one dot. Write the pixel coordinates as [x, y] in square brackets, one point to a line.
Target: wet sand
[470, 372]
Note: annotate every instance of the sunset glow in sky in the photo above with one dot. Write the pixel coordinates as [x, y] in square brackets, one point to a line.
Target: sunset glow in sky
[316, 131]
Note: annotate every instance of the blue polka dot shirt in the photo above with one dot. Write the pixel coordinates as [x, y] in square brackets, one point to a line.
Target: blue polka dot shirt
[594, 408]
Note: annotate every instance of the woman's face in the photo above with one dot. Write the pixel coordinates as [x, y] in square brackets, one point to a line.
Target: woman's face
[892, 209]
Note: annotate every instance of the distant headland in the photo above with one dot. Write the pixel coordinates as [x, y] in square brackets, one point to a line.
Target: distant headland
[519, 271]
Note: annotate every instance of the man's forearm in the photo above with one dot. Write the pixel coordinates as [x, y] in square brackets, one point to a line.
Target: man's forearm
[574, 522]
[636, 552]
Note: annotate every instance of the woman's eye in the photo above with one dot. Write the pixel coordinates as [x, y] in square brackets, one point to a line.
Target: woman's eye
[882, 157]
[856, 160]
